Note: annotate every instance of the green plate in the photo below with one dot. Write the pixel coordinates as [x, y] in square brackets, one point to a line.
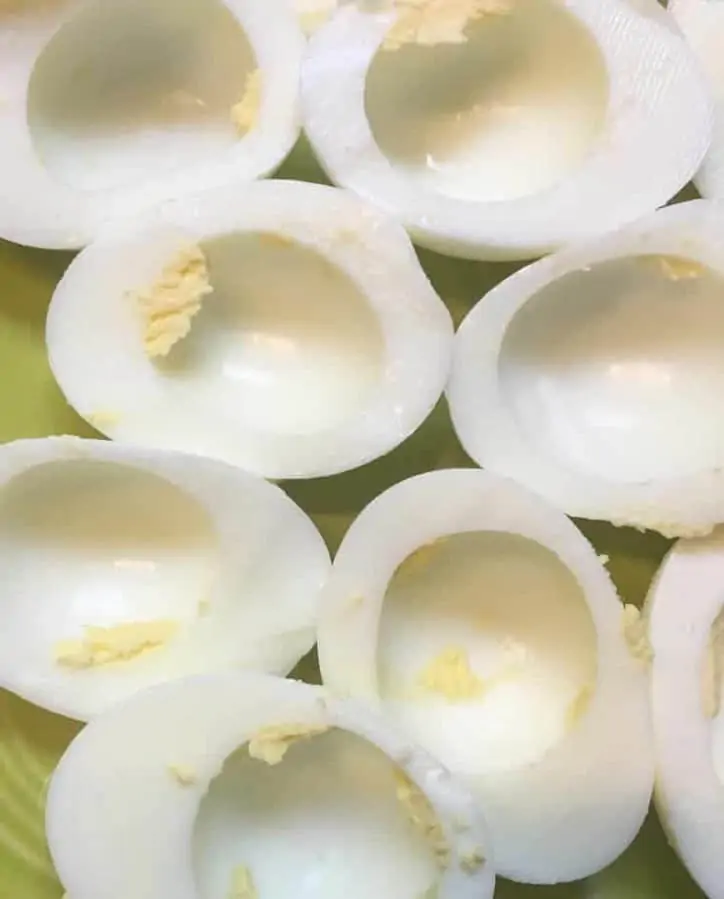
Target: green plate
[31, 741]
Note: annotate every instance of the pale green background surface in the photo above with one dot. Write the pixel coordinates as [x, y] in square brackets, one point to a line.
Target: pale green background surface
[31, 741]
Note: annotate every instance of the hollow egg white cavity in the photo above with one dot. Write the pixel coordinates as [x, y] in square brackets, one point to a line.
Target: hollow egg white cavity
[595, 376]
[107, 106]
[126, 567]
[483, 624]
[248, 786]
[686, 631]
[461, 118]
[282, 326]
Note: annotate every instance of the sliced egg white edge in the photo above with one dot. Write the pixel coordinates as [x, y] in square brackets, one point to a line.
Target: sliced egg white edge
[263, 543]
[577, 808]
[112, 372]
[489, 432]
[40, 210]
[118, 823]
[659, 126]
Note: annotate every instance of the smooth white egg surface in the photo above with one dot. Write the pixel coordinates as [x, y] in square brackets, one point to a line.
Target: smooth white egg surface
[463, 118]
[285, 327]
[482, 623]
[685, 609]
[124, 568]
[237, 786]
[595, 376]
[107, 106]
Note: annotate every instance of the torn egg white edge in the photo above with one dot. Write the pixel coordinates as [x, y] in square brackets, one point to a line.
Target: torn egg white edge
[604, 768]
[37, 209]
[615, 185]
[113, 372]
[487, 429]
[683, 603]
[117, 822]
[218, 640]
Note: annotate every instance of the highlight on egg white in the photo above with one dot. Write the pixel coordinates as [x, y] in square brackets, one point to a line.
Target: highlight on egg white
[248, 786]
[285, 327]
[595, 376]
[462, 118]
[686, 630]
[486, 628]
[108, 106]
[126, 567]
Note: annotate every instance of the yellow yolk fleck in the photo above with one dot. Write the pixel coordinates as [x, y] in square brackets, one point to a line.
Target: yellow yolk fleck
[419, 560]
[242, 884]
[103, 419]
[579, 704]
[121, 643]
[271, 744]
[676, 268]
[421, 816]
[245, 113]
[471, 861]
[275, 240]
[183, 775]
[635, 633]
[450, 675]
[432, 22]
[712, 669]
[171, 302]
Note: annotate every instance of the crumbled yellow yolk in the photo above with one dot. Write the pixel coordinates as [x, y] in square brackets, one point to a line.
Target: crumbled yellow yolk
[183, 775]
[712, 669]
[121, 643]
[471, 861]
[419, 560]
[271, 744]
[677, 268]
[432, 22]
[242, 884]
[171, 302]
[635, 633]
[245, 113]
[450, 675]
[579, 704]
[421, 816]
[103, 419]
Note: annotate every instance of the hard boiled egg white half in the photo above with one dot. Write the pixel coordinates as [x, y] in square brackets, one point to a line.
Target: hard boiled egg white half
[595, 376]
[124, 567]
[481, 623]
[247, 786]
[285, 327]
[107, 106]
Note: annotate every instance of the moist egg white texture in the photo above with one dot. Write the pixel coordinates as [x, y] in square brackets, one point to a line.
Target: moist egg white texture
[285, 327]
[685, 609]
[481, 622]
[124, 568]
[107, 106]
[284, 794]
[595, 376]
[505, 129]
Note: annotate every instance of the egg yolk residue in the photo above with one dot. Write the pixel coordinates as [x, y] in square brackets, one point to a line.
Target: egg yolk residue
[635, 633]
[245, 113]
[242, 884]
[271, 744]
[676, 268]
[420, 559]
[121, 643]
[421, 816]
[432, 22]
[183, 775]
[450, 675]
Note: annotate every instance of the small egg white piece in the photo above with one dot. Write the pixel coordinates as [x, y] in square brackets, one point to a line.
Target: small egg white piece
[107, 106]
[294, 797]
[126, 567]
[505, 129]
[595, 376]
[285, 327]
[686, 631]
[483, 625]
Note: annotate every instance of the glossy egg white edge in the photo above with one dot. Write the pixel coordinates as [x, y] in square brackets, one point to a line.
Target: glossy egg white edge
[683, 606]
[657, 128]
[659, 342]
[120, 823]
[221, 400]
[98, 539]
[574, 809]
[60, 208]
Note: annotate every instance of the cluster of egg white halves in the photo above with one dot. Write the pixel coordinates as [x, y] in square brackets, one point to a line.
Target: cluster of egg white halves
[487, 700]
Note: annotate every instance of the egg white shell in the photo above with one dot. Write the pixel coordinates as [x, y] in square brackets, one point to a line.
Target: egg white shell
[97, 534]
[684, 601]
[609, 406]
[578, 805]
[285, 394]
[42, 205]
[657, 128]
[118, 824]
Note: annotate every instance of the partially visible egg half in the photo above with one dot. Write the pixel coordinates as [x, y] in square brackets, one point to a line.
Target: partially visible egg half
[595, 376]
[687, 638]
[480, 622]
[248, 786]
[125, 567]
[463, 119]
[285, 327]
[107, 106]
